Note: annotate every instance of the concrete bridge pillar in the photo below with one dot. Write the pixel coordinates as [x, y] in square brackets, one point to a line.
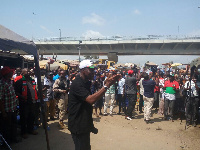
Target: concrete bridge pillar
[112, 56]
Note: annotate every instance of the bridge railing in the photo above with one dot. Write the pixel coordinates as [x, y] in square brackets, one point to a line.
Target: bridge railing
[120, 38]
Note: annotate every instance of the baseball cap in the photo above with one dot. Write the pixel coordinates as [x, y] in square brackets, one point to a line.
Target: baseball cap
[86, 64]
[130, 72]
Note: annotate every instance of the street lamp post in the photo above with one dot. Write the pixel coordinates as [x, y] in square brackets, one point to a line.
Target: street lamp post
[79, 50]
[60, 35]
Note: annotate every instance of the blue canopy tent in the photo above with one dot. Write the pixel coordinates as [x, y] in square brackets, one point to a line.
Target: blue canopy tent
[11, 41]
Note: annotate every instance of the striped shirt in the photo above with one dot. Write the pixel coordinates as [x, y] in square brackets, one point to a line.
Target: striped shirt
[7, 95]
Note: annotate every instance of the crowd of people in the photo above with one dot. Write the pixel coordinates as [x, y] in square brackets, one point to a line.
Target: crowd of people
[92, 90]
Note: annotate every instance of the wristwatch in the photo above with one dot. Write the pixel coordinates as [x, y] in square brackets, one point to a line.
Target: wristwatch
[105, 87]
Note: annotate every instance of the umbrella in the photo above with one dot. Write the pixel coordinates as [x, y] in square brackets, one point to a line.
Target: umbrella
[176, 64]
[151, 64]
[129, 64]
[166, 64]
[43, 64]
[55, 65]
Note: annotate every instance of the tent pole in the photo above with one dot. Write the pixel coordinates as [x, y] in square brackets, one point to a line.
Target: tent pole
[41, 99]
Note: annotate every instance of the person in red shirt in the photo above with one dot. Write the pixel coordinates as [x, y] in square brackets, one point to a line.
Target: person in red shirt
[19, 74]
[17, 78]
[171, 87]
[8, 107]
[25, 89]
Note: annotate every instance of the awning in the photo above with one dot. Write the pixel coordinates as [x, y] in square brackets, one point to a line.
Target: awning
[11, 41]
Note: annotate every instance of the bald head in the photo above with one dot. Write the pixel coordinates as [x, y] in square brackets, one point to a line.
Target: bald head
[26, 73]
[24, 70]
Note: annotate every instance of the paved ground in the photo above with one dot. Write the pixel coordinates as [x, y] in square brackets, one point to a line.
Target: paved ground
[117, 133]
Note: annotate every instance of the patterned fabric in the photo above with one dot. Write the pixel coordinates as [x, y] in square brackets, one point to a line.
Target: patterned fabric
[111, 98]
[148, 103]
[49, 92]
[194, 91]
[111, 90]
[7, 95]
[138, 95]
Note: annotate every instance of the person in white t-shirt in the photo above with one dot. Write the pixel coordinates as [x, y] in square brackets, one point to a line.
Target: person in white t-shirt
[120, 94]
[49, 95]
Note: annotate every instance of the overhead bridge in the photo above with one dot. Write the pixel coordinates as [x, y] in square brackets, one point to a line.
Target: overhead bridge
[115, 47]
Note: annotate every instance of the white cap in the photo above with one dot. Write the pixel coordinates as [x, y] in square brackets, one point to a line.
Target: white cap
[85, 63]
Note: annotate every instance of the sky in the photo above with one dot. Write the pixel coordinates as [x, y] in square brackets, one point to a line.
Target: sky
[36, 19]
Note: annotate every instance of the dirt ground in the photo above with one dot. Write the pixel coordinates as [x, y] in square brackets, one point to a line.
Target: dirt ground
[117, 133]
